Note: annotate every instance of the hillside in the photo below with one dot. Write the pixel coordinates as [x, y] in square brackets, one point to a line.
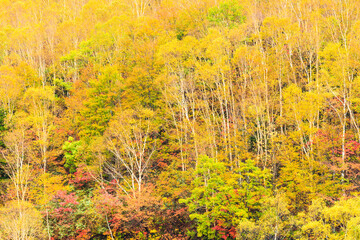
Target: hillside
[179, 119]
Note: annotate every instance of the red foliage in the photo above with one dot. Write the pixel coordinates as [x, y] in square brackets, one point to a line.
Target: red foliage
[82, 177]
[333, 146]
[225, 232]
[83, 234]
[107, 204]
[67, 202]
[134, 213]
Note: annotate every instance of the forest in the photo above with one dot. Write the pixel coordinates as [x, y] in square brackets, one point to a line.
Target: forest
[179, 119]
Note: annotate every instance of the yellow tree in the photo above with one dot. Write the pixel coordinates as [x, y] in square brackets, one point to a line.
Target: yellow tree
[128, 139]
[10, 89]
[38, 103]
[20, 220]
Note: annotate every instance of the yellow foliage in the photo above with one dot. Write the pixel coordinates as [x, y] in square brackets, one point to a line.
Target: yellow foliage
[44, 187]
[20, 220]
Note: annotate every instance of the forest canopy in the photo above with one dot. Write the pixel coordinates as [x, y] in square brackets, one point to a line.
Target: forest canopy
[179, 119]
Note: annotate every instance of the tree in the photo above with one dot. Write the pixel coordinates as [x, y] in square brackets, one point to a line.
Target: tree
[131, 143]
[18, 159]
[71, 153]
[220, 199]
[39, 104]
[20, 220]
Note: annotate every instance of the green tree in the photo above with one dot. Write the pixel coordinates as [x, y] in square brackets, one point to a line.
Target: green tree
[228, 13]
[221, 198]
[102, 97]
[71, 153]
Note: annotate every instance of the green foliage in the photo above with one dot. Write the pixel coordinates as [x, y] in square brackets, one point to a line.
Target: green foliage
[78, 58]
[330, 222]
[71, 217]
[62, 87]
[221, 198]
[72, 153]
[273, 223]
[99, 107]
[228, 13]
